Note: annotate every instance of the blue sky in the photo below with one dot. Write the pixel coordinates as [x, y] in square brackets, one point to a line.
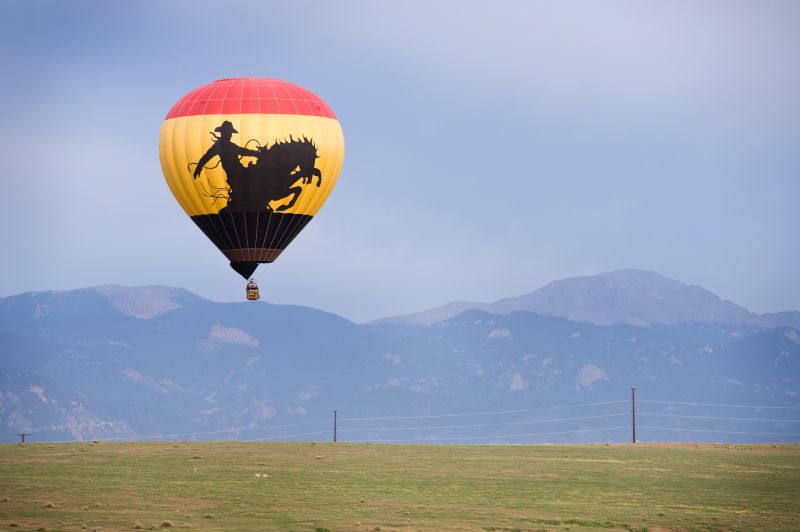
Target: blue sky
[490, 147]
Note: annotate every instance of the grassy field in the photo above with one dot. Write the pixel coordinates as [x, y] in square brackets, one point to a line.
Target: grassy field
[304, 486]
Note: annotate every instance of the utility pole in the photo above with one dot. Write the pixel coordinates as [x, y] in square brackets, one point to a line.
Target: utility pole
[22, 436]
[334, 426]
[633, 413]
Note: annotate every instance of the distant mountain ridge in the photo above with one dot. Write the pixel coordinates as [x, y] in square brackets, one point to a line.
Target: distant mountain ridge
[626, 296]
[140, 302]
[151, 362]
[147, 301]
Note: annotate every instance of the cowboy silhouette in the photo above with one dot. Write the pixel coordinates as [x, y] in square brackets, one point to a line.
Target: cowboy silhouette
[229, 154]
[275, 176]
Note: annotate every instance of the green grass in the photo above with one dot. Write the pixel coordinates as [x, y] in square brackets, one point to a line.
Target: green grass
[212, 486]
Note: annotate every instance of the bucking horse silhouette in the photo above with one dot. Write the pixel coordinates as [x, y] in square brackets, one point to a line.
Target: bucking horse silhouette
[273, 176]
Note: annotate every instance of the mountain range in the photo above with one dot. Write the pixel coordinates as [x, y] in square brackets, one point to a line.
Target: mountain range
[553, 365]
[634, 297]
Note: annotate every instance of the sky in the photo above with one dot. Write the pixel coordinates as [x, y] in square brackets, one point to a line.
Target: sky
[490, 147]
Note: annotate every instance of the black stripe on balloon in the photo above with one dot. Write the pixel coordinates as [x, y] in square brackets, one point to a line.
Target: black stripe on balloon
[251, 233]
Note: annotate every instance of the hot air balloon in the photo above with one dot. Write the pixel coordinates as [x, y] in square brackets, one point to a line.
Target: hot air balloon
[251, 161]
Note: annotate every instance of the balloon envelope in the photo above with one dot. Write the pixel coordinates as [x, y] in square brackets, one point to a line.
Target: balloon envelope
[251, 161]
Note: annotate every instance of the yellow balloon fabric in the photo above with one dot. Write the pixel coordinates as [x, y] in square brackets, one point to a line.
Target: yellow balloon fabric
[251, 161]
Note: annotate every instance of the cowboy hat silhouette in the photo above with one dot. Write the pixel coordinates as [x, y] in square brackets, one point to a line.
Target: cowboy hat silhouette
[226, 128]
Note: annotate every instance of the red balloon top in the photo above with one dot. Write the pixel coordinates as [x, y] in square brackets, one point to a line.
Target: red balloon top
[251, 96]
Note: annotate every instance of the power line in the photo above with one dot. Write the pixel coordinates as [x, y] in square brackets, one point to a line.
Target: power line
[225, 431]
[722, 431]
[482, 425]
[351, 430]
[720, 418]
[245, 429]
[719, 405]
[481, 413]
[273, 438]
[185, 434]
[496, 436]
